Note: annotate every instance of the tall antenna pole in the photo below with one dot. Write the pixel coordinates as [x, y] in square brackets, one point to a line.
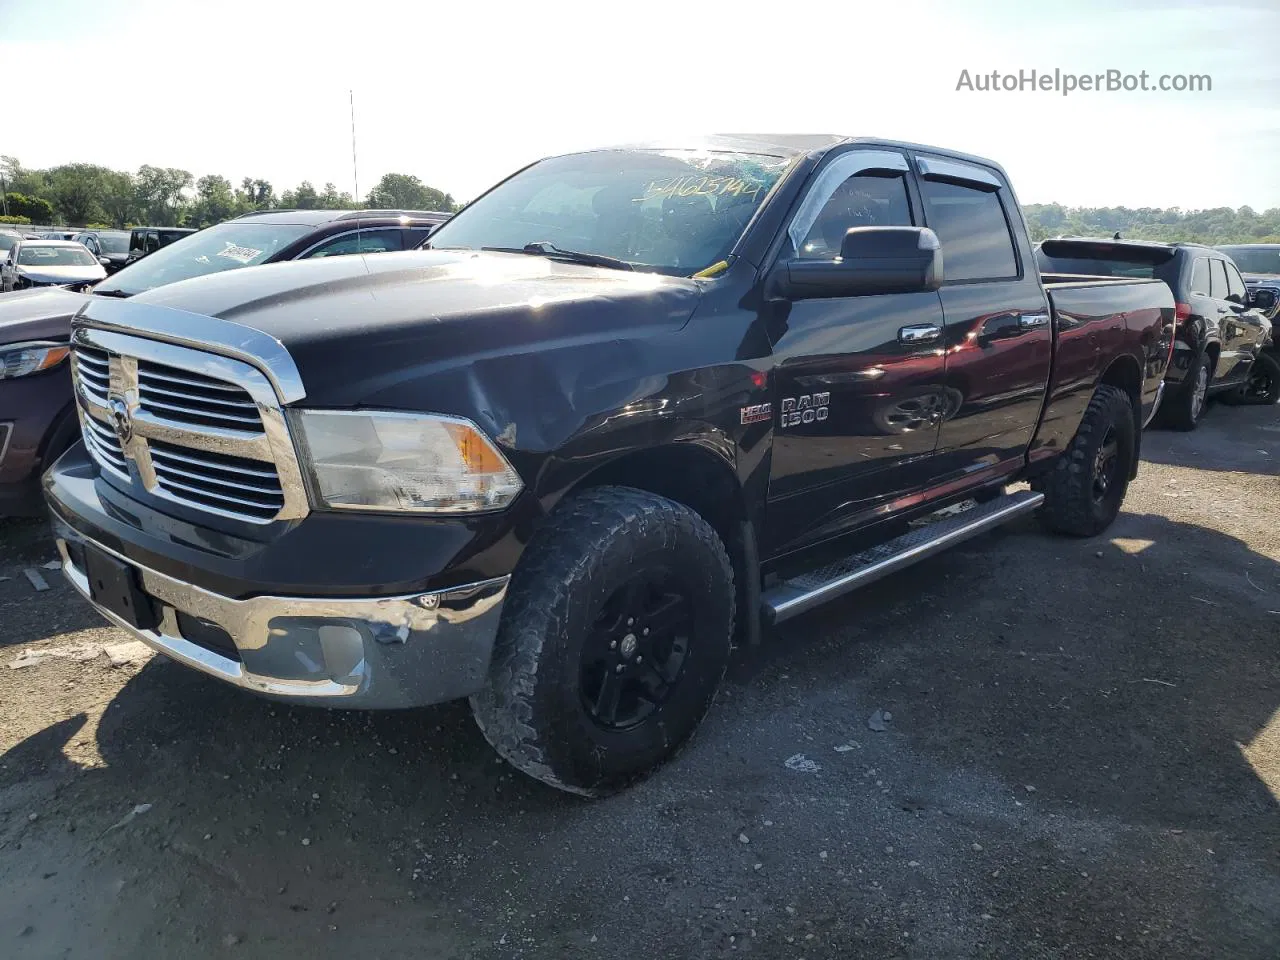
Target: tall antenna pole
[355, 176]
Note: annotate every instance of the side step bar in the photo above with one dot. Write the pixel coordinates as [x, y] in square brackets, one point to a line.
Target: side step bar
[808, 590]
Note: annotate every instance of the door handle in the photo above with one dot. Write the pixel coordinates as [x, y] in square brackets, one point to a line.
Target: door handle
[919, 333]
[1030, 321]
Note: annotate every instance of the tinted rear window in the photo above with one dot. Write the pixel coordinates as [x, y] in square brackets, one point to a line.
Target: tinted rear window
[1096, 268]
[971, 226]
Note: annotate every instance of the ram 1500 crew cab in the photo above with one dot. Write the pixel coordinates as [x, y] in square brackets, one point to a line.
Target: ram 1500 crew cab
[628, 405]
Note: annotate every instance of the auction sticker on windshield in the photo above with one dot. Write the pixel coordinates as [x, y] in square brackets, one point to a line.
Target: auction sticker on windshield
[244, 255]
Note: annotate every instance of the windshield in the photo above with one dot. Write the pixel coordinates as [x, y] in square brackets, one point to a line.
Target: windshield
[674, 212]
[114, 242]
[38, 256]
[1260, 259]
[228, 246]
[7, 240]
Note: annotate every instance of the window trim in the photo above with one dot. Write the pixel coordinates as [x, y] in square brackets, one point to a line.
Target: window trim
[1223, 264]
[333, 237]
[1191, 278]
[1231, 268]
[958, 171]
[832, 176]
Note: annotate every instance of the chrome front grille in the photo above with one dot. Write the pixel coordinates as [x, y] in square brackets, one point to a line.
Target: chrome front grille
[104, 446]
[93, 370]
[218, 480]
[185, 397]
[196, 428]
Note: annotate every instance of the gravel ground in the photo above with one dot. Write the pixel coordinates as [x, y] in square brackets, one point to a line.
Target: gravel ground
[1080, 757]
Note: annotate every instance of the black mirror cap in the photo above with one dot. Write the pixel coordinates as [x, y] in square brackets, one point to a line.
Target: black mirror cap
[873, 260]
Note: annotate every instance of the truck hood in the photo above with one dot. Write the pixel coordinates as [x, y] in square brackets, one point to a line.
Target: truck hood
[358, 326]
[38, 314]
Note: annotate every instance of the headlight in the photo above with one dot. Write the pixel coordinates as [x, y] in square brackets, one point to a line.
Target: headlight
[19, 359]
[404, 461]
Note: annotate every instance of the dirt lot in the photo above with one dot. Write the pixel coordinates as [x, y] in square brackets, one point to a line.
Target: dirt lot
[1082, 760]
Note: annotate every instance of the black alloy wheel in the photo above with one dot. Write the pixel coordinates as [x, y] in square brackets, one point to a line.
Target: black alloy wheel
[1106, 463]
[634, 657]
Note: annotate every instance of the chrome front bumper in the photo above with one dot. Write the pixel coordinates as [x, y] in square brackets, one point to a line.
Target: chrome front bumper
[375, 653]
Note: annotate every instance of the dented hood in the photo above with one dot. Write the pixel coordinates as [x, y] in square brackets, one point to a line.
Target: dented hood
[356, 326]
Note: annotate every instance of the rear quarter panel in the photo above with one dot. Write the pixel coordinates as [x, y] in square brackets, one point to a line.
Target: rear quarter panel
[1098, 324]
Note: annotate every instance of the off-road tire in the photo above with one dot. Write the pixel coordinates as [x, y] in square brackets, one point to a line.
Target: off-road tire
[1180, 411]
[531, 710]
[1070, 504]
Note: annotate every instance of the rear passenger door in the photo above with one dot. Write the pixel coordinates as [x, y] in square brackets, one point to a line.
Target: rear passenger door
[999, 339]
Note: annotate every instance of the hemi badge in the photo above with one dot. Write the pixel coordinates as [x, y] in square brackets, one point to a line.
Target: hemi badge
[757, 412]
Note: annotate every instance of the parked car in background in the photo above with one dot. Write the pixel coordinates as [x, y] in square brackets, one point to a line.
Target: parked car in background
[37, 420]
[7, 239]
[272, 236]
[56, 234]
[1260, 265]
[623, 401]
[35, 402]
[1221, 332]
[111, 247]
[49, 263]
[147, 240]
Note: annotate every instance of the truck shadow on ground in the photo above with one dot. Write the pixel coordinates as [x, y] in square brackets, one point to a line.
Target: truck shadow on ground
[1235, 439]
[1126, 679]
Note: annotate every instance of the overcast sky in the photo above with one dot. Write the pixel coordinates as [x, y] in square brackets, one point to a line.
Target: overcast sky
[462, 93]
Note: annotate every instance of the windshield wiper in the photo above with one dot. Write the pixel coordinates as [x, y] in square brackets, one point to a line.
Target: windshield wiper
[545, 248]
[112, 293]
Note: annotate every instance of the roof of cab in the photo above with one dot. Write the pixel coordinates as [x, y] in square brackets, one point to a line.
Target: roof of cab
[316, 218]
[791, 145]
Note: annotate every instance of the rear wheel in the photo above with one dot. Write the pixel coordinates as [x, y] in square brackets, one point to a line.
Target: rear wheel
[614, 639]
[1087, 485]
[1185, 407]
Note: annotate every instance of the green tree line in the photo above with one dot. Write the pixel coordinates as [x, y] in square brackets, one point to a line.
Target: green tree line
[1213, 226]
[79, 194]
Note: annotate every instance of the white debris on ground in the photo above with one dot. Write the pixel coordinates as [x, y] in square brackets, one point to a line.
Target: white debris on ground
[37, 580]
[801, 764]
[117, 654]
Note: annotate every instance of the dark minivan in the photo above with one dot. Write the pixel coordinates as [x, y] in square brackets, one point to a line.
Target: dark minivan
[1221, 330]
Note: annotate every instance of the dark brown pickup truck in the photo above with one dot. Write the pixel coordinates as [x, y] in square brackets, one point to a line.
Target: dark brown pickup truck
[560, 459]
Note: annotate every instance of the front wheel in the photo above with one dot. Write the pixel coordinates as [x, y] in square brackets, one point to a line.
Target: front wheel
[1263, 385]
[1086, 486]
[615, 636]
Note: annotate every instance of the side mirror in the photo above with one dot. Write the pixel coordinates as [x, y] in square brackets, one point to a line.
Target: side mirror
[1263, 299]
[104, 261]
[872, 260]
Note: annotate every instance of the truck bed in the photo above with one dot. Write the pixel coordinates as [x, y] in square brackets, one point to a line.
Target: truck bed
[1096, 319]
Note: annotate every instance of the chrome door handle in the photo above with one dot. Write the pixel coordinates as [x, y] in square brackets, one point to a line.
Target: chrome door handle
[919, 333]
[1030, 321]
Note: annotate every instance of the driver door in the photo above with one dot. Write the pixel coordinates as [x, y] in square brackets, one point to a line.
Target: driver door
[859, 381]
